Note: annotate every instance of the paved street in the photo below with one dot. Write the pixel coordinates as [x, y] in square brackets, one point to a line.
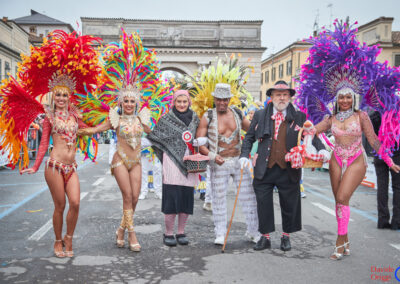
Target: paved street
[26, 239]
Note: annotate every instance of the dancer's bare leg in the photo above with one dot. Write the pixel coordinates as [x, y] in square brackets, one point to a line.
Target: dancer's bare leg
[122, 177]
[55, 183]
[73, 193]
[135, 178]
[343, 188]
[351, 179]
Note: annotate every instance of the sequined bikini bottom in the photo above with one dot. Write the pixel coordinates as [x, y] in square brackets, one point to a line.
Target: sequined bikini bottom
[129, 163]
[66, 170]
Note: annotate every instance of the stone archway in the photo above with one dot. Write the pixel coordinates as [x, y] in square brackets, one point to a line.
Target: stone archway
[176, 68]
[185, 46]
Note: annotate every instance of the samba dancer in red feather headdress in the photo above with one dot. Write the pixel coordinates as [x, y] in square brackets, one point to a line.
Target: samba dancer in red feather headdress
[62, 65]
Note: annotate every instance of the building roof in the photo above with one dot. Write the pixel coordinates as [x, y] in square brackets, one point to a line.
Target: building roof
[298, 43]
[12, 24]
[36, 18]
[380, 19]
[180, 21]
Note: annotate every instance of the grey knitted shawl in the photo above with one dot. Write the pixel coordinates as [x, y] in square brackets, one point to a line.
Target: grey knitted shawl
[166, 137]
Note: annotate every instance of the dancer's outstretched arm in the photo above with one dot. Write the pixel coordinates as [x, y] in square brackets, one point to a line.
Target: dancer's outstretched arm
[92, 130]
[373, 140]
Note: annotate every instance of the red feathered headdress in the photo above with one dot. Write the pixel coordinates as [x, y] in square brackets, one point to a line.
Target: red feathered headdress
[64, 62]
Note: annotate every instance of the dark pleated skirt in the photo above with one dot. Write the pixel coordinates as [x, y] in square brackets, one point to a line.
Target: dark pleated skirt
[177, 199]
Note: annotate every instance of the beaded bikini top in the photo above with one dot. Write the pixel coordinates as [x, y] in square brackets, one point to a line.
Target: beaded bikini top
[129, 127]
[64, 124]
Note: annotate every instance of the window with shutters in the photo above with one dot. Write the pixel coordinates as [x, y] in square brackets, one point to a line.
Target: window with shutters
[289, 68]
[280, 71]
[397, 60]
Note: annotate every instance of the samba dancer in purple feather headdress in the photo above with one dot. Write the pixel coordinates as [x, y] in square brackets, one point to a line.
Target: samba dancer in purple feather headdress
[338, 71]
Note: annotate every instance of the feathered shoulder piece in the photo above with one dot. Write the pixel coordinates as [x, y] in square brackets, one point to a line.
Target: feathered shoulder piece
[114, 117]
[144, 116]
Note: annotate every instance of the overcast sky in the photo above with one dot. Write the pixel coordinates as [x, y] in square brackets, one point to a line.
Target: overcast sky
[285, 21]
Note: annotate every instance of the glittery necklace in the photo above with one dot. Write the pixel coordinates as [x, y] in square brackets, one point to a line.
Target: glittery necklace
[128, 118]
[343, 115]
[62, 114]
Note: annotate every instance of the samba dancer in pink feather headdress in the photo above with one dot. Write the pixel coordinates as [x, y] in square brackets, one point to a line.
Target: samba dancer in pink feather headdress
[338, 71]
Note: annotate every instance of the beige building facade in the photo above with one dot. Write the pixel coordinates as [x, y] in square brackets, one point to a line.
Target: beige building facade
[13, 41]
[286, 64]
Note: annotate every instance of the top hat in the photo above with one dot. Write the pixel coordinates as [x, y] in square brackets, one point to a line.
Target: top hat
[281, 85]
[222, 91]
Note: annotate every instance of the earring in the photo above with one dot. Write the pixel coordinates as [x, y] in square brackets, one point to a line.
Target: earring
[52, 104]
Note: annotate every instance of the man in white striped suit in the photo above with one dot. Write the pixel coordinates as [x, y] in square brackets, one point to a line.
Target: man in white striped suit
[222, 126]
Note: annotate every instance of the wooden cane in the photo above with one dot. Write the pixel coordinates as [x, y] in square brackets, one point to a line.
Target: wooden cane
[233, 211]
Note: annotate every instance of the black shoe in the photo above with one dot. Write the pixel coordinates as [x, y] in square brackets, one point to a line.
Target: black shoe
[285, 243]
[263, 243]
[202, 196]
[383, 225]
[169, 241]
[395, 226]
[181, 239]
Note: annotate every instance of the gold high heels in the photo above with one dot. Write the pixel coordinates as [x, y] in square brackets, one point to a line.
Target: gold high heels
[120, 243]
[69, 253]
[59, 253]
[136, 246]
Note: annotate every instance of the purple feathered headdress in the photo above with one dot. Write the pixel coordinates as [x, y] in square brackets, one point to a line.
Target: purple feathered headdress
[338, 60]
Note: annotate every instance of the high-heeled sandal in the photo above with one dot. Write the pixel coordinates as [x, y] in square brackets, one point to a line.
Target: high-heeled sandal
[336, 255]
[120, 243]
[134, 247]
[346, 251]
[69, 253]
[59, 253]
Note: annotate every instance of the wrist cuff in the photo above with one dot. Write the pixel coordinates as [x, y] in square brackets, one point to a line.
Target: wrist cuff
[212, 156]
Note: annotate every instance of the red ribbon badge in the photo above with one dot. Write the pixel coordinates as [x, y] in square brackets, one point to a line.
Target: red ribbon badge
[187, 137]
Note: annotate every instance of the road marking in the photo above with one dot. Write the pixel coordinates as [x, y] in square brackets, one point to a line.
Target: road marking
[15, 172]
[46, 227]
[32, 196]
[98, 181]
[23, 183]
[363, 213]
[326, 209]
[396, 246]
[6, 205]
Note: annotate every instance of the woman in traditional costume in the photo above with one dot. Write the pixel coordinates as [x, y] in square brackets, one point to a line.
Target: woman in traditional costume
[171, 138]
